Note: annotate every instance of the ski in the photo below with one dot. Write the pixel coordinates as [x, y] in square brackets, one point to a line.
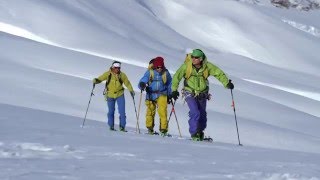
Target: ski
[158, 134]
[155, 133]
[207, 139]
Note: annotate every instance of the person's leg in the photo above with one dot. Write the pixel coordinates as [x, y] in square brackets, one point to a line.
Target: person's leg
[194, 114]
[122, 111]
[202, 104]
[162, 111]
[151, 111]
[111, 103]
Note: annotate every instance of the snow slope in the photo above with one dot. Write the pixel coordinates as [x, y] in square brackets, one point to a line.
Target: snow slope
[52, 146]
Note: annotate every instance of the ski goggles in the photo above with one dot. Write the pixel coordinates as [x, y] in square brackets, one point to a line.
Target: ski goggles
[196, 57]
[159, 67]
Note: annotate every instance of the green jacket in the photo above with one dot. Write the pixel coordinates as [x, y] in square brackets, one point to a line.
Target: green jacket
[115, 88]
[197, 83]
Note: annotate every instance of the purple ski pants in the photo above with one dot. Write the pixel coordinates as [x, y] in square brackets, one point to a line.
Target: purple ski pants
[197, 114]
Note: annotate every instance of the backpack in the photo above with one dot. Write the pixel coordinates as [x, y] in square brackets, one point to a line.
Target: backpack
[188, 62]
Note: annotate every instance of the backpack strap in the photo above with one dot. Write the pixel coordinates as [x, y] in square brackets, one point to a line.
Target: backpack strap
[108, 81]
[164, 76]
[151, 75]
[188, 72]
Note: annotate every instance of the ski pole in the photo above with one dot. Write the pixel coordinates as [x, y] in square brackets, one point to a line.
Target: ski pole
[137, 126]
[235, 116]
[175, 115]
[172, 109]
[88, 105]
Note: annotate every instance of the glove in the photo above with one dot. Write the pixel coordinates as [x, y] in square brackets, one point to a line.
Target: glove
[175, 95]
[148, 89]
[132, 93]
[230, 85]
[142, 85]
[96, 81]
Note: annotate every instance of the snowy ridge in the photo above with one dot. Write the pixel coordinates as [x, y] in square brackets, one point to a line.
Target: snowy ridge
[16, 31]
[311, 95]
[308, 29]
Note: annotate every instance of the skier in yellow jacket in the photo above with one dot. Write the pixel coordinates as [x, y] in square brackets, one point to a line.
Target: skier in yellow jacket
[114, 93]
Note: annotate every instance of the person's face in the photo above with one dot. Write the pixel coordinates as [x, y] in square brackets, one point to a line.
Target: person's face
[196, 60]
[116, 70]
[159, 68]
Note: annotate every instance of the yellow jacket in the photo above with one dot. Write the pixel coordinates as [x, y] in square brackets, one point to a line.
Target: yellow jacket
[115, 88]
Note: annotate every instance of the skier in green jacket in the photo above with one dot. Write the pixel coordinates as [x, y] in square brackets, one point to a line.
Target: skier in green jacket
[195, 72]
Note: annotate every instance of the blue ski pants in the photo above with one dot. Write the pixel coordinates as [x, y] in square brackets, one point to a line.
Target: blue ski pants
[121, 109]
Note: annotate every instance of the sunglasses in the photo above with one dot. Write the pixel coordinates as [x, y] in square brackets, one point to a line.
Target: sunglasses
[195, 57]
[159, 67]
[116, 67]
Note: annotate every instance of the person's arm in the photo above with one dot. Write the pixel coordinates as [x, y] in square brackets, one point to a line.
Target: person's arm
[177, 77]
[144, 80]
[101, 78]
[126, 82]
[218, 74]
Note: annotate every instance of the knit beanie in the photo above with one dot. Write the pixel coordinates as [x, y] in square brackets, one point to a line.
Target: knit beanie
[158, 62]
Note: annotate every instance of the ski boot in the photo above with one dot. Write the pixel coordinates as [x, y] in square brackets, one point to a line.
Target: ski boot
[195, 137]
[151, 132]
[122, 129]
[198, 136]
[112, 128]
[164, 133]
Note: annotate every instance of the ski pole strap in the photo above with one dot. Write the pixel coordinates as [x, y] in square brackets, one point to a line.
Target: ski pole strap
[172, 109]
[233, 104]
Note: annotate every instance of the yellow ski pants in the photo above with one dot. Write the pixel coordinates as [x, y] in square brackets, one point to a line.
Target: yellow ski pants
[161, 103]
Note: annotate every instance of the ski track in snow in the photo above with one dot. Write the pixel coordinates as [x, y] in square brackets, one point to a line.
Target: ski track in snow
[34, 150]
[40, 151]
